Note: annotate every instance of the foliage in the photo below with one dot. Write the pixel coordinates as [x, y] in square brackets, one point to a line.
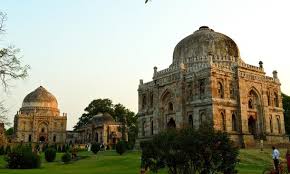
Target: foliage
[8, 149]
[66, 157]
[9, 131]
[121, 147]
[96, 147]
[2, 151]
[286, 107]
[190, 151]
[95, 107]
[22, 157]
[50, 154]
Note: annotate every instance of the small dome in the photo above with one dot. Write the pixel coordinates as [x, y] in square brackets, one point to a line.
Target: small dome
[40, 98]
[205, 42]
[102, 118]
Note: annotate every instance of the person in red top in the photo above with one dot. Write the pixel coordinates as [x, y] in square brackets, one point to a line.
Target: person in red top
[288, 159]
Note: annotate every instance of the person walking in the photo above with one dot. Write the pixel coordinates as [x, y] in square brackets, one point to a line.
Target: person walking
[276, 155]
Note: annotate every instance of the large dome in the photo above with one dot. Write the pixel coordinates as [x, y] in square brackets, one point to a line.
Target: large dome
[205, 42]
[40, 98]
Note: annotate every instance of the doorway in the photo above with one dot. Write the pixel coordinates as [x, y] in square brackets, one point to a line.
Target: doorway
[171, 124]
[42, 139]
[252, 125]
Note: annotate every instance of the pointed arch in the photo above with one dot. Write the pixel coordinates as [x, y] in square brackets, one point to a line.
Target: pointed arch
[271, 123]
[253, 98]
[171, 124]
[234, 122]
[220, 89]
[223, 121]
[276, 99]
[278, 124]
[190, 121]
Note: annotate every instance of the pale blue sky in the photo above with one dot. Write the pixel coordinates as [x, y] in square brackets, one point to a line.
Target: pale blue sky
[83, 50]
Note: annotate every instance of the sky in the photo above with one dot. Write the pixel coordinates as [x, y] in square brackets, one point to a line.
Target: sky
[84, 50]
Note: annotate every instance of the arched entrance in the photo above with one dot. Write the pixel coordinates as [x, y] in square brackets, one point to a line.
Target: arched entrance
[42, 139]
[43, 132]
[252, 125]
[256, 125]
[97, 137]
[171, 124]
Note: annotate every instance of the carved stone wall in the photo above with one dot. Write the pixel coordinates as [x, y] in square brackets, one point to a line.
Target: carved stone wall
[236, 97]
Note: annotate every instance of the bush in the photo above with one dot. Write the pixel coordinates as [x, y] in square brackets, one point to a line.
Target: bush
[66, 157]
[121, 147]
[2, 151]
[96, 147]
[22, 157]
[50, 154]
[8, 150]
[202, 150]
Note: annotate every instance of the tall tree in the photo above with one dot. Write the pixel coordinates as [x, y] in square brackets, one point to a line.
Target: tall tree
[286, 107]
[11, 67]
[95, 107]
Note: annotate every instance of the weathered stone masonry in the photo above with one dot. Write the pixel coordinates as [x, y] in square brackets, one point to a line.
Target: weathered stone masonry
[208, 81]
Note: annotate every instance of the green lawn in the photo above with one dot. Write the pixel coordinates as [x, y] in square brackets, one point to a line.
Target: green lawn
[252, 161]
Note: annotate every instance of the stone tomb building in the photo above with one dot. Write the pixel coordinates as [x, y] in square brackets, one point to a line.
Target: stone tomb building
[39, 119]
[209, 81]
[101, 128]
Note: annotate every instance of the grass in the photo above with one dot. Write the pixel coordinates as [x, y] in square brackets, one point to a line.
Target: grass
[252, 161]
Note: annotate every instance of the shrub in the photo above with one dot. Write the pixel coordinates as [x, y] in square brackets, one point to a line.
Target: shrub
[50, 154]
[2, 152]
[121, 147]
[8, 150]
[66, 157]
[22, 157]
[202, 150]
[59, 149]
[96, 147]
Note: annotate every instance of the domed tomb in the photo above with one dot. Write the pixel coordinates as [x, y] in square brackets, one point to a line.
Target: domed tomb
[40, 100]
[203, 43]
[102, 119]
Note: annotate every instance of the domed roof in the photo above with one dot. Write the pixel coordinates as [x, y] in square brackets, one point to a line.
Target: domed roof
[102, 118]
[40, 98]
[205, 42]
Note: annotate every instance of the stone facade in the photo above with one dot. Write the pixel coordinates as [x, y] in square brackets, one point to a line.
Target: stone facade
[39, 119]
[3, 139]
[208, 81]
[102, 128]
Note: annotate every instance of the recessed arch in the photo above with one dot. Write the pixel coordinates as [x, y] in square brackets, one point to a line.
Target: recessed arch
[171, 124]
[220, 89]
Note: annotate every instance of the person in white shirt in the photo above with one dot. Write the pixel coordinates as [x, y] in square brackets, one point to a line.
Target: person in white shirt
[275, 156]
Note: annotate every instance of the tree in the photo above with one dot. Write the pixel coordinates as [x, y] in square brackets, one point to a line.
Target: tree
[9, 131]
[286, 107]
[190, 151]
[95, 107]
[11, 67]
